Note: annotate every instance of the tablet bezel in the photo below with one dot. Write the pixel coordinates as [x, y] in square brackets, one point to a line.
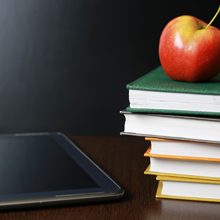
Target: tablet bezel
[108, 190]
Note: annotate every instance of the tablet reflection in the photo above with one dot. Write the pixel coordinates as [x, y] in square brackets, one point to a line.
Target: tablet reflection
[189, 209]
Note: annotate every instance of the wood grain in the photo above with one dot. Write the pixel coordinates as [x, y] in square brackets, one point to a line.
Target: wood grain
[122, 158]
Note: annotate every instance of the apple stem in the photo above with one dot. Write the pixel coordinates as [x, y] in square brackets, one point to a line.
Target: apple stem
[216, 14]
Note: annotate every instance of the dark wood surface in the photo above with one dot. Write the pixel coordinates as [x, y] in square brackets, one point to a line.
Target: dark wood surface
[122, 158]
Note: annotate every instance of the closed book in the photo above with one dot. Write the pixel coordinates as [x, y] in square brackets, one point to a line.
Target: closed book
[183, 150]
[154, 92]
[182, 127]
[187, 168]
[188, 189]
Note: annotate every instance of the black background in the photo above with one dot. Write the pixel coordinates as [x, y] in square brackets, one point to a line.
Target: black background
[64, 64]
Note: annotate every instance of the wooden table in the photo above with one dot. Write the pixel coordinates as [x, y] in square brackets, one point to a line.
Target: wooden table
[122, 158]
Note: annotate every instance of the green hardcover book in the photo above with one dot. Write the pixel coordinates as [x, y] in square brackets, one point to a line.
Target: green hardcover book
[154, 92]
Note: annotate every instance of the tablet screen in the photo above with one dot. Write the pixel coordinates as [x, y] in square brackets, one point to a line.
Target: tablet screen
[46, 166]
[38, 164]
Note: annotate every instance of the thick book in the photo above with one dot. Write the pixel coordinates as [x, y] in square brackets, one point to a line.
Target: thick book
[188, 189]
[183, 150]
[154, 92]
[183, 127]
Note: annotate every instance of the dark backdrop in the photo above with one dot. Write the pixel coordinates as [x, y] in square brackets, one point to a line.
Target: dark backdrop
[64, 64]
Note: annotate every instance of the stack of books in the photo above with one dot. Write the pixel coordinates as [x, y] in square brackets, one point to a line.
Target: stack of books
[182, 122]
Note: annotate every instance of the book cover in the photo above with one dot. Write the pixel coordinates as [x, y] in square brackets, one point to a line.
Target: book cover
[191, 180]
[157, 80]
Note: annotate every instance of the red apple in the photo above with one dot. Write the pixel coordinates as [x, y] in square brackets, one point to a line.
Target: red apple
[189, 50]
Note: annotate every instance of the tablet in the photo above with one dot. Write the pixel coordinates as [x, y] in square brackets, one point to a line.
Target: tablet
[48, 169]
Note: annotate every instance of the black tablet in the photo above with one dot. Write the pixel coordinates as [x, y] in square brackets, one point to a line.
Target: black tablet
[48, 169]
